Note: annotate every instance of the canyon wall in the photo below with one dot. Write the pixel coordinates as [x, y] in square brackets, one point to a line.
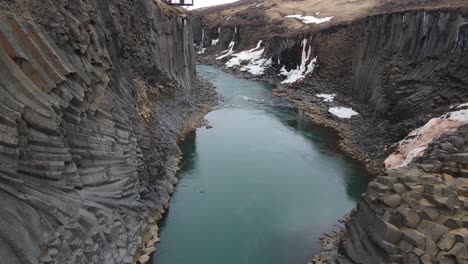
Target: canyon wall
[416, 214]
[93, 96]
[412, 63]
[391, 62]
[398, 70]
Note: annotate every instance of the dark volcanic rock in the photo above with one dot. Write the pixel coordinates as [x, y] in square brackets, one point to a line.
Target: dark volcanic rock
[433, 211]
[93, 95]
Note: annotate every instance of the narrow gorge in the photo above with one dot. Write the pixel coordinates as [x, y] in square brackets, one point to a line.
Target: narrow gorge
[306, 131]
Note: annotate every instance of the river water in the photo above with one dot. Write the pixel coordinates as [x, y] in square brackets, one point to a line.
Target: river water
[260, 187]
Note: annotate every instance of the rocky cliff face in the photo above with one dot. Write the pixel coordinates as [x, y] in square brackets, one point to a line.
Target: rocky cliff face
[398, 69]
[93, 95]
[416, 214]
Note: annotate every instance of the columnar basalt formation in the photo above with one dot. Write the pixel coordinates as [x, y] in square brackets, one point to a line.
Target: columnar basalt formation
[397, 69]
[416, 214]
[93, 96]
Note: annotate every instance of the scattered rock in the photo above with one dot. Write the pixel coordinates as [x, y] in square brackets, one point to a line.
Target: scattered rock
[144, 259]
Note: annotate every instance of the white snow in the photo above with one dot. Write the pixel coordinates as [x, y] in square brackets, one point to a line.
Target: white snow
[228, 18]
[255, 63]
[326, 97]
[302, 70]
[259, 5]
[343, 112]
[214, 42]
[202, 49]
[257, 67]
[460, 115]
[462, 105]
[228, 52]
[249, 55]
[310, 19]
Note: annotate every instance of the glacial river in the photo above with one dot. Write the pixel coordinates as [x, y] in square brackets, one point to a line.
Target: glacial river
[260, 187]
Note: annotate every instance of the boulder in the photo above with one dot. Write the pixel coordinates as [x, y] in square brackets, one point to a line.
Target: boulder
[446, 242]
[393, 200]
[399, 187]
[410, 217]
[415, 238]
[144, 259]
[432, 230]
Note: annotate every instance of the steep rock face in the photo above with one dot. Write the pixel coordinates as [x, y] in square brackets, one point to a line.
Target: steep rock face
[416, 214]
[93, 95]
[410, 63]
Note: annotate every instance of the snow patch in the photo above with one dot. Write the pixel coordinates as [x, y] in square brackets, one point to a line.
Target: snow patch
[342, 112]
[310, 19]
[460, 115]
[255, 63]
[303, 69]
[462, 105]
[326, 97]
[257, 67]
[214, 42]
[228, 52]
[202, 49]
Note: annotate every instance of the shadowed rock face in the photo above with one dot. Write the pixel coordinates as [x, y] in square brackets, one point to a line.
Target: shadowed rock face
[412, 62]
[93, 95]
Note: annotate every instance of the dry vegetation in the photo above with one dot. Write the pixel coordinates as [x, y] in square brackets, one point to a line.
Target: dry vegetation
[273, 12]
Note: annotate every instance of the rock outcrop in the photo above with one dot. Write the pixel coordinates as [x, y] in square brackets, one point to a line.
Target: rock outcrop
[415, 214]
[93, 96]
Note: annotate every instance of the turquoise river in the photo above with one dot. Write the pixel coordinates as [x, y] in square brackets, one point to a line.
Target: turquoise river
[260, 187]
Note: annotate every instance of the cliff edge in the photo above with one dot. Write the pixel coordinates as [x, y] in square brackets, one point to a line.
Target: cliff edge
[93, 97]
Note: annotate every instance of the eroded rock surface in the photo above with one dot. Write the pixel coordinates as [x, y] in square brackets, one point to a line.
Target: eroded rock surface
[93, 96]
[415, 214]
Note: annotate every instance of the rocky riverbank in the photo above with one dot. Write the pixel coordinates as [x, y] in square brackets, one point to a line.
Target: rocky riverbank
[203, 98]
